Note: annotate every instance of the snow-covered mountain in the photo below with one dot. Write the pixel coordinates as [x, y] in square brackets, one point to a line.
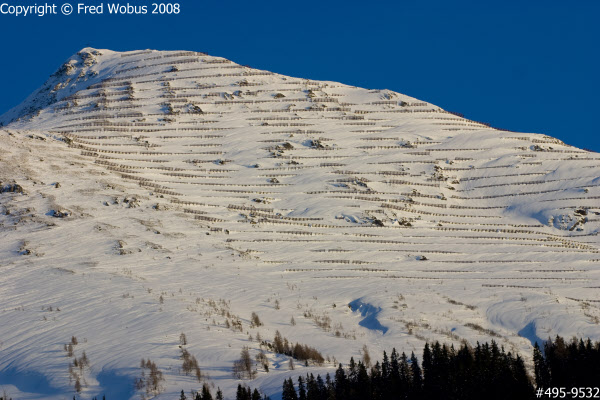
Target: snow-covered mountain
[148, 194]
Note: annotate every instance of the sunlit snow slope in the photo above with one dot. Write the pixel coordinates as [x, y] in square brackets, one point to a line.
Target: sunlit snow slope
[148, 194]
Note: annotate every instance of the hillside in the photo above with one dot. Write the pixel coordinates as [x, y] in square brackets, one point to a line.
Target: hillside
[148, 194]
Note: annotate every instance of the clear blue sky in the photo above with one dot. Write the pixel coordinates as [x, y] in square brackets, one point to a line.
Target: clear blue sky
[528, 65]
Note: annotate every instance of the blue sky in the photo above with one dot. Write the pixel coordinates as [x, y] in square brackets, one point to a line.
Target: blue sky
[530, 66]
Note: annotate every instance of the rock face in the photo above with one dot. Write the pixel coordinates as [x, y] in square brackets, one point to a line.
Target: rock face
[11, 188]
[74, 73]
[231, 190]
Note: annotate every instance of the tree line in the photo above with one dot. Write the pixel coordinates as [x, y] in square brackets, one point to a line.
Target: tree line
[485, 371]
[567, 364]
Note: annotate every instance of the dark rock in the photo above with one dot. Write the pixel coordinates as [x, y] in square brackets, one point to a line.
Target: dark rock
[59, 213]
[12, 188]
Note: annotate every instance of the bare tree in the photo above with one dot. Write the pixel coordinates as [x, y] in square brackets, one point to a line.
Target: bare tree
[366, 356]
[244, 367]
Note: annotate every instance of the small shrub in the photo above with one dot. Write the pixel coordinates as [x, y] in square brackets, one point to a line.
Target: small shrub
[481, 329]
[255, 321]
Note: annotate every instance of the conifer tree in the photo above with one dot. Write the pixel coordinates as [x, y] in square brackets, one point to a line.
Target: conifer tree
[322, 389]
[405, 376]
[312, 390]
[377, 388]
[416, 386]
[427, 366]
[363, 383]
[301, 389]
[206, 393]
[255, 395]
[341, 383]
[386, 381]
[289, 392]
[243, 393]
[330, 388]
[542, 376]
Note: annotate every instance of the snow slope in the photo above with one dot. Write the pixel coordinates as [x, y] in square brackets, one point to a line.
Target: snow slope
[176, 192]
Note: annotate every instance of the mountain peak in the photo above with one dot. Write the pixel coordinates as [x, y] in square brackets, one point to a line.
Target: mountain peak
[93, 68]
[70, 77]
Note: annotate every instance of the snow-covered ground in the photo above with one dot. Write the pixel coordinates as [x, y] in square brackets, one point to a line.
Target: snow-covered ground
[175, 192]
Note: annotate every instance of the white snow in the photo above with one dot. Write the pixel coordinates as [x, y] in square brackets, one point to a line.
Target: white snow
[193, 190]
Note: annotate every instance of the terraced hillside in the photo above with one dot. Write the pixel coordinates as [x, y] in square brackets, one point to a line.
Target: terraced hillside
[149, 194]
